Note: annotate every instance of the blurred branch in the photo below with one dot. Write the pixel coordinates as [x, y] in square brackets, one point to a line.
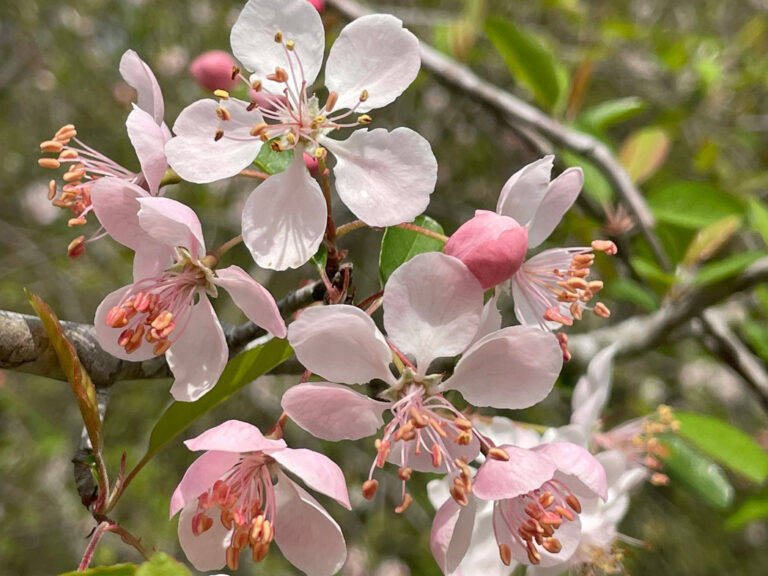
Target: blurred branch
[642, 333]
[521, 114]
[25, 347]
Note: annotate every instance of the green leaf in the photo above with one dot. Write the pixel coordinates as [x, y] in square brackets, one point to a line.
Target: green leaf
[758, 217]
[643, 152]
[628, 290]
[320, 258]
[611, 112]
[710, 239]
[651, 271]
[272, 162]
[756, 334]
[692, 204]
[78, 378]
[754, 508]
[532, 64]
[116, 570]
[725, 444]
[241, 370]
[724, 269]
[162, 565]
[700, 475]
[398, 245]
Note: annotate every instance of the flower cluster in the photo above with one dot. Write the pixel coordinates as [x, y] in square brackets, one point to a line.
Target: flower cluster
[415, 376]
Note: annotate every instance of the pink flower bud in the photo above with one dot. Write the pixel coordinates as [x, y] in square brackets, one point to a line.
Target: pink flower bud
[213, 70]
[318, 4]
[492, 246]
[312, 164]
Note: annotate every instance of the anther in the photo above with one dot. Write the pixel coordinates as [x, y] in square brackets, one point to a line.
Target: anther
[554, 315]
[223, 94]
[79, 221]
[76, 248]
[290, 45]
[279, 75]
[459, 495]
[565, 513]
[463, 424]
[437, 428]
[577, 283]
[51, 146]
[575, 310]
[552, 545]
[404, 473]
[418, 419]
[279, 37]
[218, 136]
[51, 163]
[161, 347]
[595, 286]
[498, 454]
[533, 555]
[407, 500]
[52, 189]
[363, 95]
[233, 558]
[506, 554]
[605, 246]
[369, 489]
[364, 119]
[259, 129]
[602, 310]
[437, 456]
[223, 113]
[67, 155]
[546, 499]
[333, 97]
[320, 152]
[256, 86]
[235, 72]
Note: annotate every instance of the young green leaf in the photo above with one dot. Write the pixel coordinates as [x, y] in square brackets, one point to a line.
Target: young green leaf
[116, 570]
[398, 245]
[162, 565]
[271, 162]
[692, 204]
[758, 217]
[710, 239]
[611, 112]
[754, 508]
[643, 152]
[724, 269]
[725, 444]
[628, 290]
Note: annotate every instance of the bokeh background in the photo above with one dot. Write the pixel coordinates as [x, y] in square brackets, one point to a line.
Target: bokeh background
[698, 75]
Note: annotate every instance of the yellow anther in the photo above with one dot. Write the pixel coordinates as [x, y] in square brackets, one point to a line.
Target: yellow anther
[364, 119]
[290, 138]
[363, 95]
[79, 221]
[223, 113]
[259, 129]
[276, 146]
[279, 37]
[223, 94]
[290, 45]
[320, 152]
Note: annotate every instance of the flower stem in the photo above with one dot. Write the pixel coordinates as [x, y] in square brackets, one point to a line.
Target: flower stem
[98, 532]
[418, 229]
[254, 174]
[330, 227]
[212, 258]
[349, 227]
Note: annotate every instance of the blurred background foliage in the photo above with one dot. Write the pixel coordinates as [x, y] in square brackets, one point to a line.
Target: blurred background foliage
[678, 89]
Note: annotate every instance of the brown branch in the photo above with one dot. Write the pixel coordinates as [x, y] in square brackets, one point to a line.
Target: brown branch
[25, 347]
[524, 116]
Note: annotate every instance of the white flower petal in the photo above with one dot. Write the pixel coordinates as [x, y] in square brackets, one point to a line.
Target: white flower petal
[208, 551]
[384, 178]
[521, 195]
[432, 307]
[373, 53]
[452, 533]
[195, 154]
[148, 140]
[253, 38]
[592, 390]
[140, 76]
[561, 195]
[284, 218]
[323, 337]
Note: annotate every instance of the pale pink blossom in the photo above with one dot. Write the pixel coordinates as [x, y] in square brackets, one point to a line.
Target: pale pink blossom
[86, 165]
[166, 310]
[433, 308]
[213, 70]
[237, 496]
[383, 177]
[318, 4]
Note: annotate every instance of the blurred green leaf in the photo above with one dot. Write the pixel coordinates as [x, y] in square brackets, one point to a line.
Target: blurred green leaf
[692, 204]
[272, 162]
[532, 64]
[756, 333]
[754, 508]
[726, 268]
[758, 217]
[398, 245]
[611, 112]
[651, 271]
[116, 570]
[78, 378]
[241, 370]
[699, 474]
[725, 444]
[710, 239]
[320, 258]
[643, 152]
[628, 290]
[162, 565]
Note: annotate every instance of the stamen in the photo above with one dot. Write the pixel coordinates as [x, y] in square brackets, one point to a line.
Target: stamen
[76, 248]
[218, 136]
[506, 554]
[407, 500]
[498, 454]
[333, 97]
[223, 113]
[51, 163]
[364, 119]
[279, 37]
[235, 72]
[369, 489]
[363, 95]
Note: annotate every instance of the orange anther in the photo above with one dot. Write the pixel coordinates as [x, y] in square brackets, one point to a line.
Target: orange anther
[552, 545]
[602, 310]
[333, 97]
[407, 500]
[498, 454]
[605, 246]
[369, 489]
[506, 554]
[223, 113]
[405, 473]
[51, 163]
[76, 248]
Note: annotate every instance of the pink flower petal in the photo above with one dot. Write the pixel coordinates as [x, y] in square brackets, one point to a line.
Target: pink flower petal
[197, 362]
[521, 195]
[137, 74]
[451, 533]
[384, 178]
[306, 534]
[284, 218]
[107, 336]
[200, 476]
[490, 320]
[317, 471]
[253, 39]
[252, 298]
[592, 390]
[148, 140]
[513, 368]
[373, 53]
[151, 260]
[195, 154]
[234, 436]
[115, 203]
[576, 461]
[524, 471]
[208, 551]
[432, 307]
[333, 412]
[172, 223]
[561, 195]
[492, 246]
[322, 337]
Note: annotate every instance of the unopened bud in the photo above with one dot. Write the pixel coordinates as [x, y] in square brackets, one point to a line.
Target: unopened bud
[214, 70]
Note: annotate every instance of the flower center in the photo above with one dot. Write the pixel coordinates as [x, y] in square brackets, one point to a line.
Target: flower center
[244, 500]
[533, 519]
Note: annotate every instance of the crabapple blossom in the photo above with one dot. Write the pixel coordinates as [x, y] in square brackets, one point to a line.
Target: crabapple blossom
[237, 496]
[433, 308]
[383, 177]
[166, 310]
[213, 70]
[86, 165]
